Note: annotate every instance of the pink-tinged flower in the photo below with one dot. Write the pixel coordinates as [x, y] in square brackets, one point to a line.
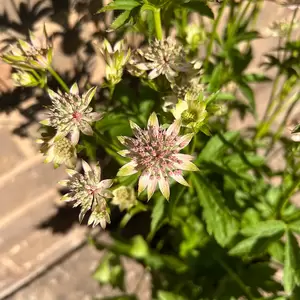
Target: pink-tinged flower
[155, 153]
[71, 113]
[89, 192]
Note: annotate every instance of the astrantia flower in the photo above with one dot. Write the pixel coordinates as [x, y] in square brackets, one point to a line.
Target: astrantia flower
[116, 58]
[59, 151]
[192, 113]
[34, 54]
[164, 57]
[124, 197]
[89, 192]
[154, 152]
[70, 113]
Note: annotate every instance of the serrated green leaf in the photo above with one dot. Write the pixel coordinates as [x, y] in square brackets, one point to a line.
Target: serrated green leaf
[265, 228]
[220, 222]
[216, 78]
[120, 5]
[215, 147]
[120, 20]
[254, 245]
[157, 214]
[291, 275]
[200, 7]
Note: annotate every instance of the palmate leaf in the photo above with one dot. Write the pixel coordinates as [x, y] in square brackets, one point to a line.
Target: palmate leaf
[220, 222]
[216, 147]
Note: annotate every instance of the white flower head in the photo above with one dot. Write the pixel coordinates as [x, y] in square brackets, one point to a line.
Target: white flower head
[155, 153]
[71, 113]
[89, 192]
[164, 57]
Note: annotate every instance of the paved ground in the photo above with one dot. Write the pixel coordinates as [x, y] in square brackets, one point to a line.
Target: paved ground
[31, 237]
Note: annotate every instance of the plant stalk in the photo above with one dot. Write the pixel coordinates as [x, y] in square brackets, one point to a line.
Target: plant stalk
[58, 79]
[214, 33]
[157, 23]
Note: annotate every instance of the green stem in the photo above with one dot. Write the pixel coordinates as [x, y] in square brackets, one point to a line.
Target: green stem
[242, 15]
[272, 101]
[58, 79]
[282, 125]
[236, 278]
[214, 33]
[284, 201]
[290, 31]
[157, 23]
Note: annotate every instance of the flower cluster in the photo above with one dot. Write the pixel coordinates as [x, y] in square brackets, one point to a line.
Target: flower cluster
[164, 57]
[68, 115]
[36, 54]
[89, 192]
[155, 154]
[71, 114]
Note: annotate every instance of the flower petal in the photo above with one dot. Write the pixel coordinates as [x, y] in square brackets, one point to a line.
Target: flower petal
[95, 116]
[74, 89]
[185, 140]
[180, 107]
[85, 128]
[123, 153]
[105, 184]
[45, 122]
[52, 94]
[184, 157]
[88, 96]
[134, 127]
[186, 166]
[67, 197]
[174, 128]
[86, 167]
[153, 121]
[71, 172]
[74, 136]
[180, 179]
[151, 187]
[143, 182]
[154, 73]
[128, 169]
[97, 171]
[50, 155]
[164, 187]
[64, 182]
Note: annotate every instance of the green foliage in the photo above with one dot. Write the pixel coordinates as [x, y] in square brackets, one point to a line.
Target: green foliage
[220, 221]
